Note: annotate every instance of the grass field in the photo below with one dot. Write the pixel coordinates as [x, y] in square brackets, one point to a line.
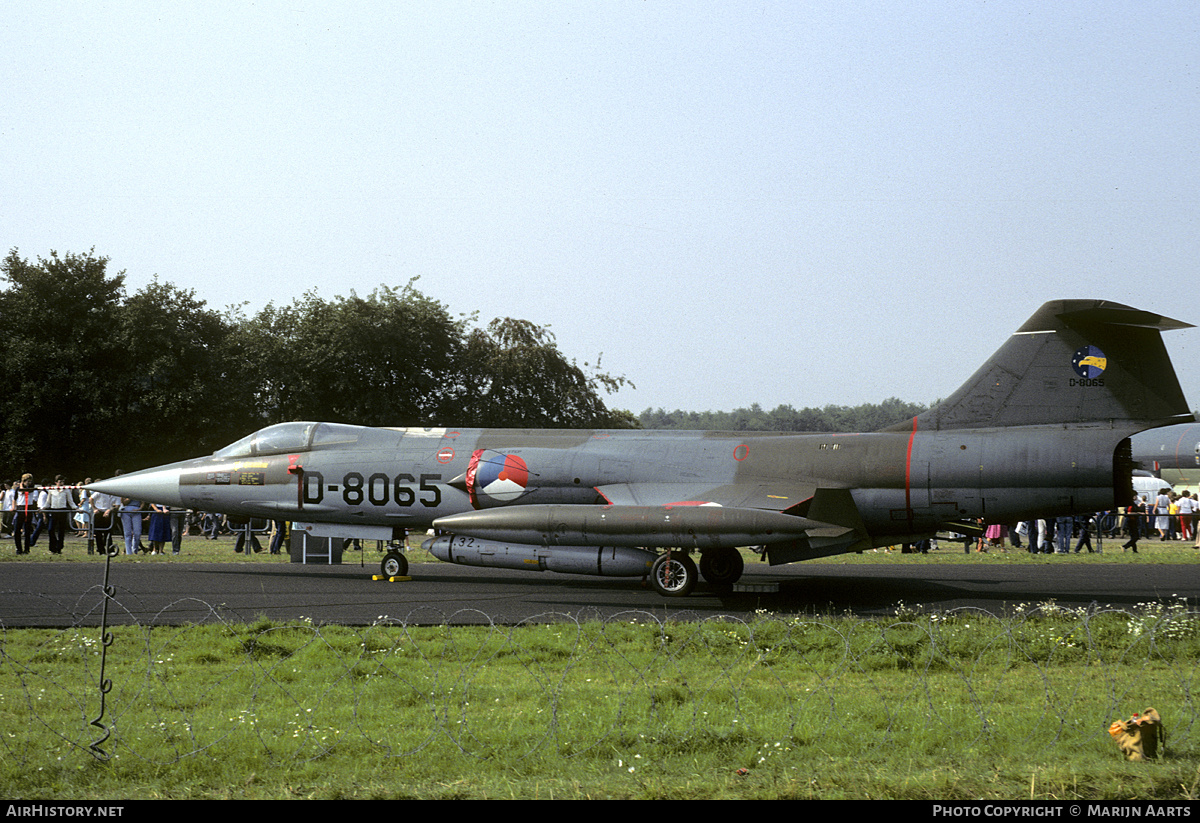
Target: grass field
[938, 707]
[920, 706]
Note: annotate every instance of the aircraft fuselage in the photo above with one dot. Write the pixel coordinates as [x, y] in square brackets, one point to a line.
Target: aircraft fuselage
[902, 483]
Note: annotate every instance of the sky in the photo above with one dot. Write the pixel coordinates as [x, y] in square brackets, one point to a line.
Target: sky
[796, 203]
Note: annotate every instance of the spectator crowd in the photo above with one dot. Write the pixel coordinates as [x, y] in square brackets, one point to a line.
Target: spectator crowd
[28, 509]
[1170, 516]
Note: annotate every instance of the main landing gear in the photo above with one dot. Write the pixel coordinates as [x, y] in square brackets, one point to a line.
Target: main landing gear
[674, 574]
[722, 567]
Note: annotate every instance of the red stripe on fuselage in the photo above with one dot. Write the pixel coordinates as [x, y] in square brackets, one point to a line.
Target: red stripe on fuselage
[908, 474]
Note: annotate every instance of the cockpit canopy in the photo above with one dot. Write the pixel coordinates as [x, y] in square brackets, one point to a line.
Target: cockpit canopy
[289, 438]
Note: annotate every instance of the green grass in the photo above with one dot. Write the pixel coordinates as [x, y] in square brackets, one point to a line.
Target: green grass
[920, 706]
[953, 706]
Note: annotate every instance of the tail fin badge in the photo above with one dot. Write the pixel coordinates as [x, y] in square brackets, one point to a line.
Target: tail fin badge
[1089, 362]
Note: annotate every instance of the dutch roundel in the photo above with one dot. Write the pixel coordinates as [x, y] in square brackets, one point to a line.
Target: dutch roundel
[498, 477]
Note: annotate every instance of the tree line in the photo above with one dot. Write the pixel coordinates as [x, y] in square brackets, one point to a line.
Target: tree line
[96, 379]
[867, 417]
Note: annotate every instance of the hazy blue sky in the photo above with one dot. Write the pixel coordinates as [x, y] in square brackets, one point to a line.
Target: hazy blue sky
[799, 202]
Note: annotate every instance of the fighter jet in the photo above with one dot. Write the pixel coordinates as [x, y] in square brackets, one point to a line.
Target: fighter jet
[1041, 429]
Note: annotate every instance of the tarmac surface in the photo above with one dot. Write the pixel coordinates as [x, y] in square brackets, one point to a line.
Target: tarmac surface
[169, 591]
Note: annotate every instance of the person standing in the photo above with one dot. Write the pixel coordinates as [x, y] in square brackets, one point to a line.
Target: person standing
[131, 523]
[39, 519]
[9, 503]
[1187, 510]
[1162, 510]
[103, 506]
[244, 529]
[277, 539]
[83, 512]
[57, 510]
[24, 511]
[995, 536]
[160, 528]
[1085, 534]
[1062, 534]
[178, 527]
[1133, 518]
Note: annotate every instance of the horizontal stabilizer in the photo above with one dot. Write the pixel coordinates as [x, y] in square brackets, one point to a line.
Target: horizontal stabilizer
[845, 532]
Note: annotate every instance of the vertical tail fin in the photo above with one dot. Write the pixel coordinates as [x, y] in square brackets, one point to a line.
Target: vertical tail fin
[1075, 362]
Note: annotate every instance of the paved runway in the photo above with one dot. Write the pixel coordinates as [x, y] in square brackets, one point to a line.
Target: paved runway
[62, 594]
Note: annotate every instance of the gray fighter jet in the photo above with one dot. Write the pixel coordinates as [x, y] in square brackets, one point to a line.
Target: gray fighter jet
[1042, 429]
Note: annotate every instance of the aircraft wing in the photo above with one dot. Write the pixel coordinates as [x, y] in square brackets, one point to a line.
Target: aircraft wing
[771, 496]
[826, 518]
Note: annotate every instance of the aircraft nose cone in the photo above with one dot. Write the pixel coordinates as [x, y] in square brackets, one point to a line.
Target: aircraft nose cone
[151, 485]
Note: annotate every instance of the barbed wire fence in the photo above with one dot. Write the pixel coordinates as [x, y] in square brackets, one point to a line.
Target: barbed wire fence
[163, 690]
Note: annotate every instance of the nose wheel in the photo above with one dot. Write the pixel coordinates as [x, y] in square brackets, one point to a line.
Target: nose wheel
[394, 565]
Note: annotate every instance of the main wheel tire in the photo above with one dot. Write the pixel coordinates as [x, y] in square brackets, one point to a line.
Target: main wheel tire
[673, 575]
[722, 567]
[394, 565]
